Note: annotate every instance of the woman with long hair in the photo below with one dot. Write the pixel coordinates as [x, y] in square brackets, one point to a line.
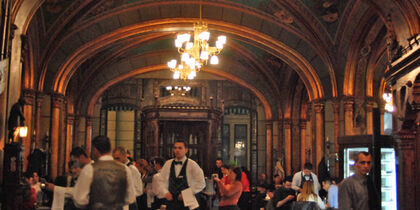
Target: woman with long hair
[308, 194]
[230, 193]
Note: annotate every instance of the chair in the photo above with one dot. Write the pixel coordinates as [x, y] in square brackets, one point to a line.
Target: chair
[305, 205]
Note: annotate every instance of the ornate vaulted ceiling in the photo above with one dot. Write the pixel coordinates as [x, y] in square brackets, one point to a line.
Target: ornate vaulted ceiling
[82, 47]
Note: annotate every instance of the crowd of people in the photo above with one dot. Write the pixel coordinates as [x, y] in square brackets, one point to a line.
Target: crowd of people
[112, 180]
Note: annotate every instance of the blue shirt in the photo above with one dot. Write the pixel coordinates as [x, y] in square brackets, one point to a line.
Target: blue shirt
[333, 196]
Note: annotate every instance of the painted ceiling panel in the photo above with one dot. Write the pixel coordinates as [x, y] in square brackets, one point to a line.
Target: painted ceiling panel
[149, 13]
[212, 12]
[129, 17]
[170, 11]
[271, 28]
[109, 24]
[232, 16]
[90, 33]
[251, 22]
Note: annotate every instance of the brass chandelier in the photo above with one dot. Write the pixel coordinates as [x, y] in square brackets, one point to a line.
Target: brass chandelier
[195, 53]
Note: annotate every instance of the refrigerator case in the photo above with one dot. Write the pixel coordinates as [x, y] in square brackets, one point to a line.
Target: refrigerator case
[388, 179]
[388, 173]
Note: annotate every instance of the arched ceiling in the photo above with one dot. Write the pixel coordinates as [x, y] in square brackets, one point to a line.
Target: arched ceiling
[81, 47]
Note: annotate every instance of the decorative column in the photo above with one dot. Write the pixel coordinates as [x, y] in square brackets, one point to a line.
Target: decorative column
[280, 141]
[302, 126]
[29, 96]
[369, 117]
[57, 100]
[319, 133]
[69, 138]
[382, 111]
[406, 171]
[336, 112]
[269, 159]
[38, 104]
[88, 134]
[288, 146]
[348, 116]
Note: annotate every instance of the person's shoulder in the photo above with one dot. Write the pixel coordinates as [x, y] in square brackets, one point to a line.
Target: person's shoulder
[346, 182]
[191, 161]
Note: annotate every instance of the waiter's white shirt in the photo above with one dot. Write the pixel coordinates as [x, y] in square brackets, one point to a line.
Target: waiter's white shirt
[82, 188]
[195, 175]
[297, 180]
[137, 182]
[156, 187]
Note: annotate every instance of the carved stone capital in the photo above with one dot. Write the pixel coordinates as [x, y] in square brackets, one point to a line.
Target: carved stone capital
[88, 120]
[57, 100]
[70, 119]
[318, 107]
[269, 124]
[29, 95]
[348, 104]
[287, 123]
[302, 124]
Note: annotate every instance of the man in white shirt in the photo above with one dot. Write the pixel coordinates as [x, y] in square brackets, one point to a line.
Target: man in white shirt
[157, 193]
[305, 175]
[120, 154]
[105, 183]
[178, 174]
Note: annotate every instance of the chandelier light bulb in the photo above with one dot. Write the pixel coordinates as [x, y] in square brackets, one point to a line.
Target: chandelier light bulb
[214, 60]
[185, 57]
[219, 45]
[205, 35]
[168, 87]
[172, 64]
[221, 39]
[176, 75]
[178, 43]
[204, 55]
[189, 45]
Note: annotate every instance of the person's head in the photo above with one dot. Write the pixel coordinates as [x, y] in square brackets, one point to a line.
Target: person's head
[101, 146]
[307, 169]
[79, 154]
[263, 176]
[158, 163]
[308, 189]
[143, 166]
[35, 177]
[120, 155]
[277, 179]
[363, 162]
[288, 182]
[219, 162]
[22, 101]
[28, 177]
[326, 184]
[235, 174]
[180, 149]
[225, 169]
[75, 168]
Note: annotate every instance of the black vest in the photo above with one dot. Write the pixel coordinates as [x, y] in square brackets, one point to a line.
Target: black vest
[178, 184]
[109, 184]
[303, 180]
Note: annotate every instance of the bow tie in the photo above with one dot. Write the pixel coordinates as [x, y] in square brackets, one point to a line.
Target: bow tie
[177, 162]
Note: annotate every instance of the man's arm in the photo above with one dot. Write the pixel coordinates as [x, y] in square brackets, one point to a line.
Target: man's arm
[344, 196]
[138, 184]
[198, 182]
[82, 187]
[296, 181]
[130, 196]
[163, 180]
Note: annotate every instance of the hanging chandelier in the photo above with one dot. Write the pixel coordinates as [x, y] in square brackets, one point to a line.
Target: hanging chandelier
[195, 53]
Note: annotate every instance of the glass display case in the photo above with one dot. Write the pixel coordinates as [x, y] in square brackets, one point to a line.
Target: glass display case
[349, 146]
[388, 179]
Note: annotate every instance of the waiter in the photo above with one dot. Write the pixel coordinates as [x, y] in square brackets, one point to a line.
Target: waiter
[178, 174]
[105, 184]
